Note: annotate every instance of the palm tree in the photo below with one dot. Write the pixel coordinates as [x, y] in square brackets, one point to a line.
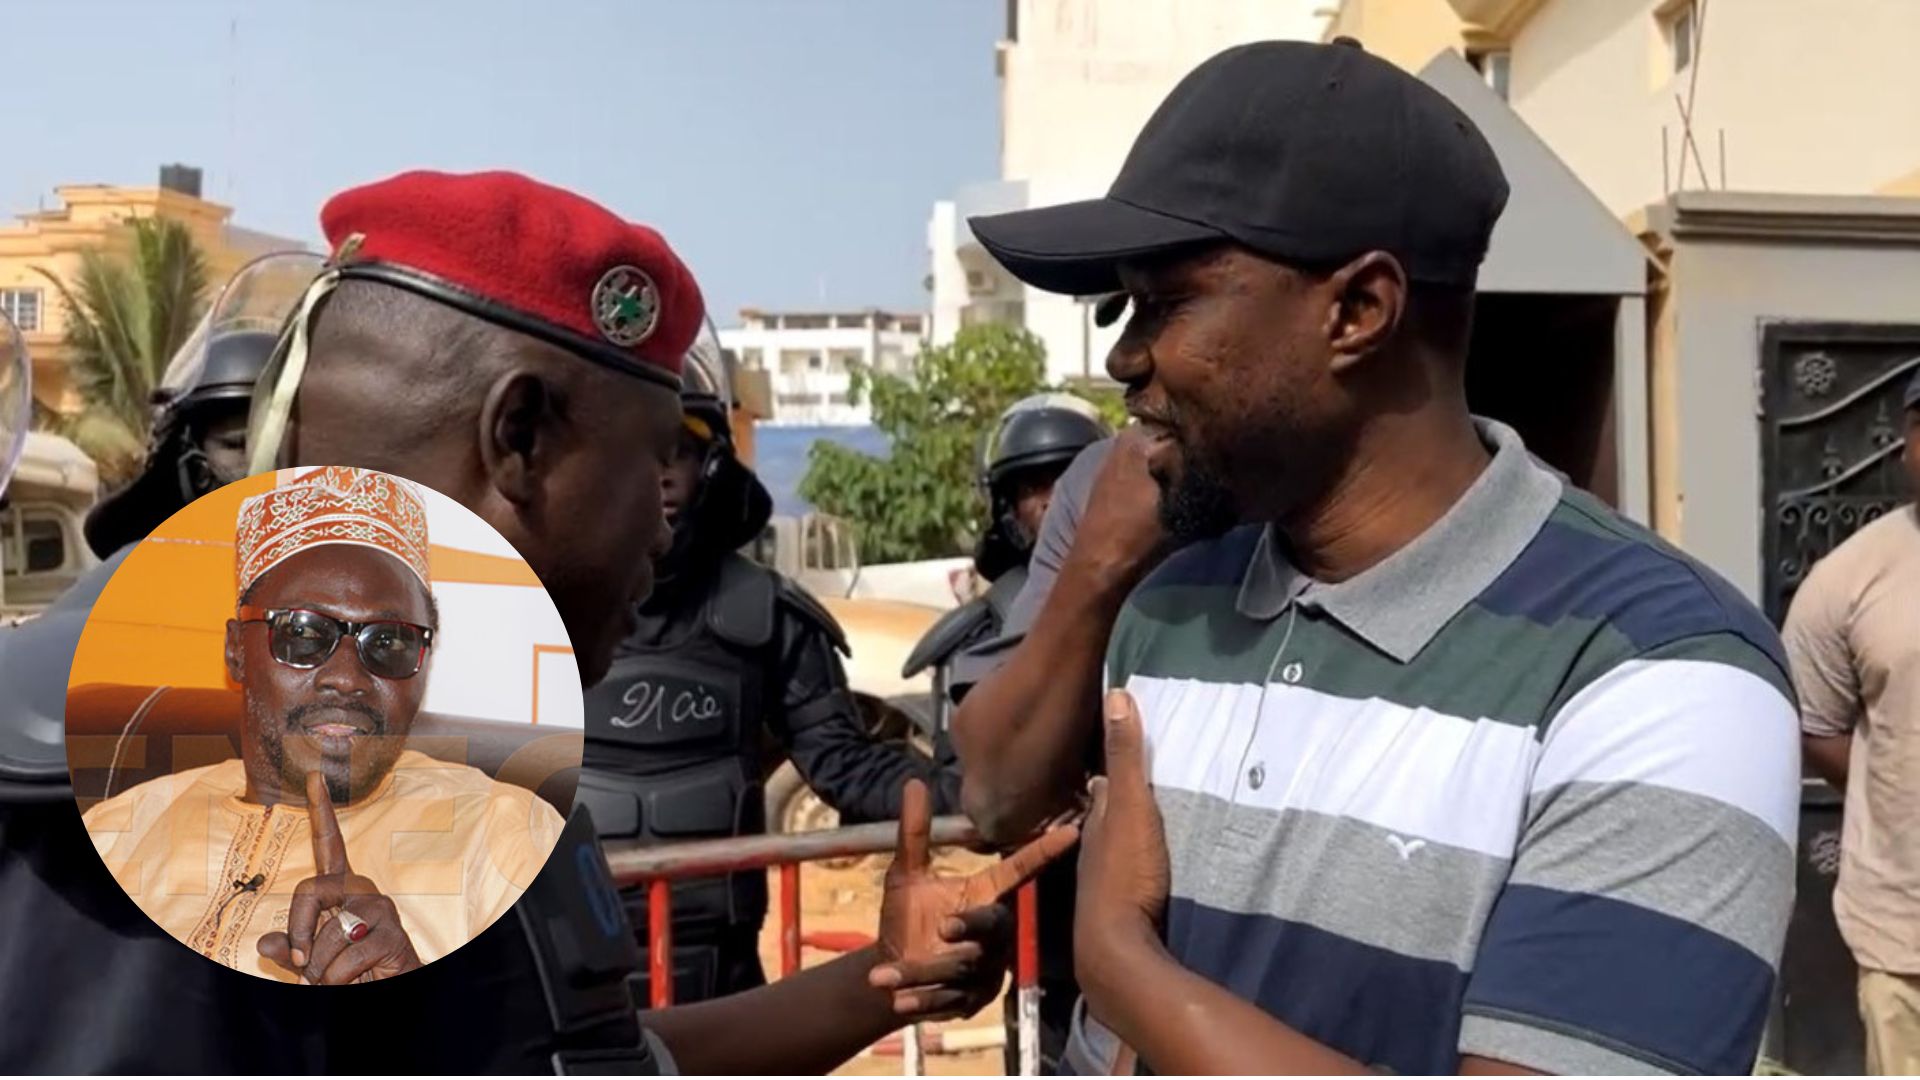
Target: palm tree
[127, 313]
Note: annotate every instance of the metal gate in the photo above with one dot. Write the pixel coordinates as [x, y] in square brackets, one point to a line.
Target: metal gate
[1832, 428]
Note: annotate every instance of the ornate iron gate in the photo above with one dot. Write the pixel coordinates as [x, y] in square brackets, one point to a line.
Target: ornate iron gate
[1832, 429]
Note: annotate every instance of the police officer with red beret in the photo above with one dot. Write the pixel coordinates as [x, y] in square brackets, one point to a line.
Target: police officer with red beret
[518, 348]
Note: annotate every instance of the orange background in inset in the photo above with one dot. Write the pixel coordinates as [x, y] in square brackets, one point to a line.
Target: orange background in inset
[162, 620]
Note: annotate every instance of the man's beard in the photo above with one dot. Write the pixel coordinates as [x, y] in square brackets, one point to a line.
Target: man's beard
[335, 769]
[1197, 505]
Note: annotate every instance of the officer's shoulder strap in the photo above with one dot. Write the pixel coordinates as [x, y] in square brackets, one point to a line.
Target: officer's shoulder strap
[952, 632]
[740, 611]
[1001, 594]
[584, 955]
[796, 599]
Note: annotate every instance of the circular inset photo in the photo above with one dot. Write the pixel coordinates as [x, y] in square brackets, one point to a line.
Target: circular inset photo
[324, 726]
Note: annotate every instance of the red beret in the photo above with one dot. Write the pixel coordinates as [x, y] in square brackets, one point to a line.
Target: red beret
[533, 258]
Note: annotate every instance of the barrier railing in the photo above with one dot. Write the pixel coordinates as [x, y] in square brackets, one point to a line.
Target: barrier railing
[658, 866]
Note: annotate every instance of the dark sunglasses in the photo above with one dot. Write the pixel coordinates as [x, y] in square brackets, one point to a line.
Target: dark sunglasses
[306, 639]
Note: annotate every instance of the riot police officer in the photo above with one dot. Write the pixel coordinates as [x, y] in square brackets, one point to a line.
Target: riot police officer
[199, 432]
[731, 667]
[1035, 440]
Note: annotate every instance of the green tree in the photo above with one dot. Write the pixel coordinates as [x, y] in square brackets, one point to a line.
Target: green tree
[922, 501]
[1106, 395]
[128, 311]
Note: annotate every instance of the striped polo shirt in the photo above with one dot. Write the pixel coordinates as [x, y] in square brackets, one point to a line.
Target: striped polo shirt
[1527, 789]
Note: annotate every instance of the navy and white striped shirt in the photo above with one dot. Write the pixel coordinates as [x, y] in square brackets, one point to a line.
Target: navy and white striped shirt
[1526, 790]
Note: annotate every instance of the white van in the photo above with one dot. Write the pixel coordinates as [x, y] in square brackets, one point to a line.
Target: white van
[42, 551]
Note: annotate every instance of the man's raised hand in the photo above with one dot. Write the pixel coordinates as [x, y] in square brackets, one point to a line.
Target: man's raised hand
[943, 940]
[317, 943]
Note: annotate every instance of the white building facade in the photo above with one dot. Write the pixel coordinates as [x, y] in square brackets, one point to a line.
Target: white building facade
[1078, 79]
[810, 356]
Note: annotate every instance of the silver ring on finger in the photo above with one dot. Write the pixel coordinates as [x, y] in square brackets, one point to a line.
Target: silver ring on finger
[352, 925]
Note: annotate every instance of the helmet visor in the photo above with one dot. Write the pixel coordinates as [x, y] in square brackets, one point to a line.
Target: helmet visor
[16, 397]
[258, 298]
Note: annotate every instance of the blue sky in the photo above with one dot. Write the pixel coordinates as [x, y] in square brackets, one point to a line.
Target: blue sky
[790, 149]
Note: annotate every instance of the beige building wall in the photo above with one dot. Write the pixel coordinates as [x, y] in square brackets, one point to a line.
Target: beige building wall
[1908, 185]
[1407, 32]
[1817, 97]
[1812, 98]
[92, 218]
[1078, 79]
[1737, 262]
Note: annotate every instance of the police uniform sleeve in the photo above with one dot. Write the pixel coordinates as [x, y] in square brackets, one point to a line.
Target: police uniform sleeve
[820, 724]
[1050, 549]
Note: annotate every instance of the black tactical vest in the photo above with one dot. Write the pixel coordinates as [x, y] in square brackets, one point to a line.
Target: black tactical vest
[677, 739]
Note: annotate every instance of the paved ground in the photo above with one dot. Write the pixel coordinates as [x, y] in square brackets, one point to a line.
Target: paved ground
[834, 898]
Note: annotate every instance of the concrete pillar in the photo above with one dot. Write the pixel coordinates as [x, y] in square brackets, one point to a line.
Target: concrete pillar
[1632, 438]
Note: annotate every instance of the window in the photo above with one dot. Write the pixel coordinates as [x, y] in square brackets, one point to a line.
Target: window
[23, 307]
[1010, 312]
[1493, 66]
[35, 542]
[1680, 26]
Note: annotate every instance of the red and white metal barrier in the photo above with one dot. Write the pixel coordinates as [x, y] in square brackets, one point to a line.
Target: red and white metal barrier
[658, 866]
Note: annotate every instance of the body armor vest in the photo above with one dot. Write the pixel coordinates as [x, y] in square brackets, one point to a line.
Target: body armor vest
[678, 747]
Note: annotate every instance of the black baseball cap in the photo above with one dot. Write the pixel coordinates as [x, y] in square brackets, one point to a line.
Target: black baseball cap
[1308, 154]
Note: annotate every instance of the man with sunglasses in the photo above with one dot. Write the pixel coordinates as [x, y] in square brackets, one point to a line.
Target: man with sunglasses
[245, 861]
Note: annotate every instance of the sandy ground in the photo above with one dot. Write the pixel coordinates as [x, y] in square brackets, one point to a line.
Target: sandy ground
[835, 898]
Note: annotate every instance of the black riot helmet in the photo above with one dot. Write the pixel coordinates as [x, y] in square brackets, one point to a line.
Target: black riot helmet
[729, 505]
[1041, 434]
[211, 377]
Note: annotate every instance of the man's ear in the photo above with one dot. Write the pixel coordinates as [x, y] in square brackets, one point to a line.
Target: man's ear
[517, 427]
[1369, 298]
[236, 651]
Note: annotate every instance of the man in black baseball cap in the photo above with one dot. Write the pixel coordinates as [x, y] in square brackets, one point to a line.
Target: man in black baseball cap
[1416, 758]
[1306, 154]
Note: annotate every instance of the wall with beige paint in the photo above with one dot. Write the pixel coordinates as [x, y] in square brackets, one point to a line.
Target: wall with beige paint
[1812, 98]
[1078, 79]
[1724, 290]
[92, 217]
[1407, 32]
